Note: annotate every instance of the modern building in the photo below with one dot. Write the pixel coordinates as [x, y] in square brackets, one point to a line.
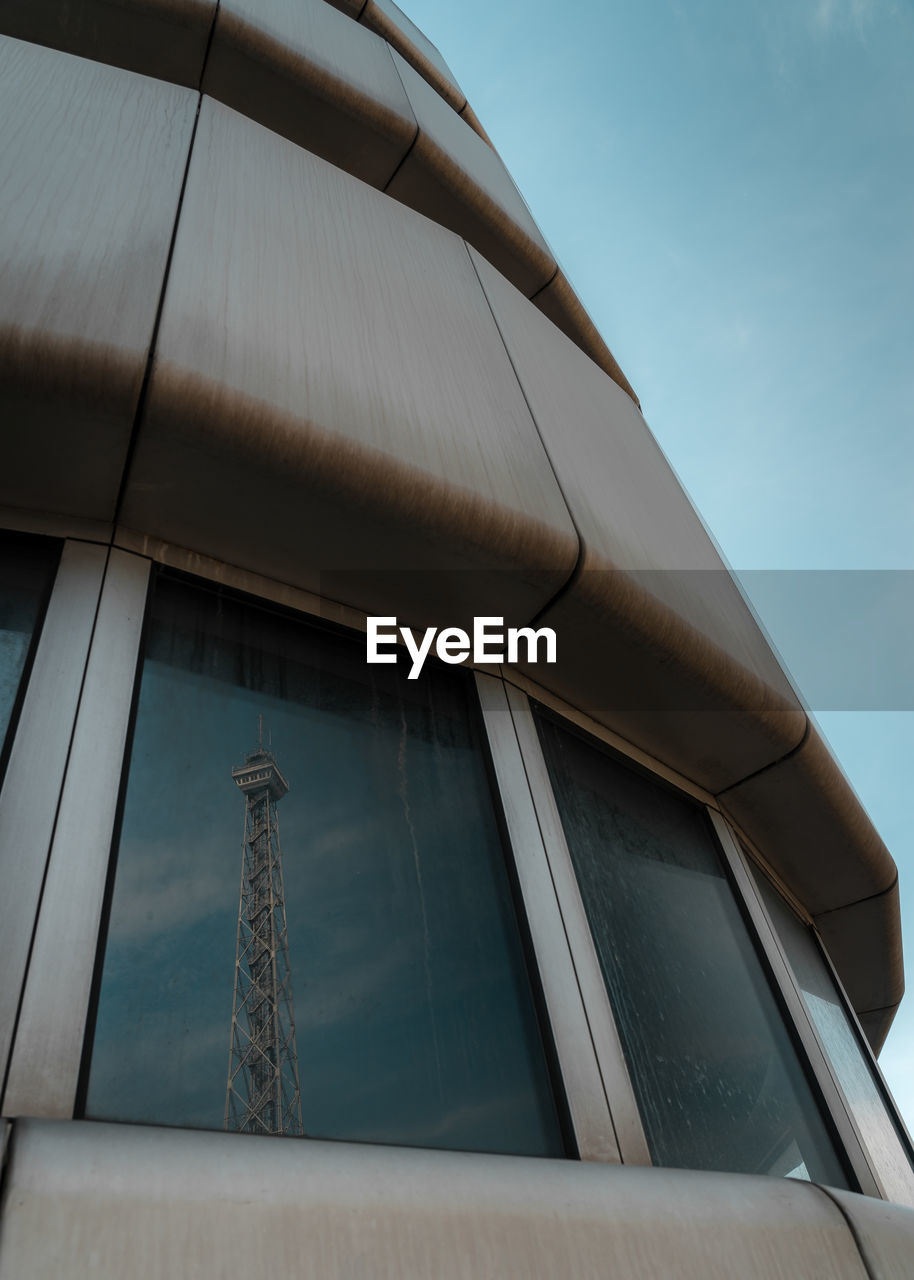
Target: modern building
[589, 959]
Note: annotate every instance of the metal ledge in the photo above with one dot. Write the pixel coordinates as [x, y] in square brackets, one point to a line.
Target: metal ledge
[107, 1201]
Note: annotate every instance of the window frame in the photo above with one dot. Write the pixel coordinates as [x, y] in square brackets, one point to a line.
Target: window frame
[46, 1054]
[78, 809]
[833, 1106]
[906, 1138]
[854, 1124]
[37, 760]
[317, 612]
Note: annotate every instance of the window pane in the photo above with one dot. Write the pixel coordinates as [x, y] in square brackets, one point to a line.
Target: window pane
[414, 1020]
[826, 1008]
[26, 571]
[717, 1079]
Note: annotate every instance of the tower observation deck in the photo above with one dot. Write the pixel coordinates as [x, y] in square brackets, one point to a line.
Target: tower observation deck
[262, 1093]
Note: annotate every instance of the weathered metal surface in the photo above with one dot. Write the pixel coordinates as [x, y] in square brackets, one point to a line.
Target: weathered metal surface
[402, 34]
[90, 175]
[161, 38]
[884, 1234]
[303, 69]
[658, 642]
[454, 177]
[107, 1201]
[309, 364]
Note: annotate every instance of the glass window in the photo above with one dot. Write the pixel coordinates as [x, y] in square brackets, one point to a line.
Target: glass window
[849, 1061]
[312, 927]
[27, 568]
[717, 1078]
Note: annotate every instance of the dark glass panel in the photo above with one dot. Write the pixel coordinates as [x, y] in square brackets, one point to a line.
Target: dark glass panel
[414, 1019]
[718, 1081]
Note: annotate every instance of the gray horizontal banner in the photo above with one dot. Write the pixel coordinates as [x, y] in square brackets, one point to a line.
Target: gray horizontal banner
[844, 636]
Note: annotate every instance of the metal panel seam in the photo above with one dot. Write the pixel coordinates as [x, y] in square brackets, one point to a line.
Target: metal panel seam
[408, 152]
[871, 897]
[422, 65]
[150, 357]
[858, 1013]
[7, 1138]
[576, 568]
[534, 296]
[774, 763]
[209, 42]
[849, 1222]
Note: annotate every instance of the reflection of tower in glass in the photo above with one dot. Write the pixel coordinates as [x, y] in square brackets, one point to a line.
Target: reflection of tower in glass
[262, 1095]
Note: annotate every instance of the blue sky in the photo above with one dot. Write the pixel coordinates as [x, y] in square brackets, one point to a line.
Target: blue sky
[730, 188]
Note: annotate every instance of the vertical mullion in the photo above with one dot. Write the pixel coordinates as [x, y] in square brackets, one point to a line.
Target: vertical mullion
[810, 1041]
[588, 973]
[866, 1050]
[38, 757]
[44, 1069]
[587, 1104]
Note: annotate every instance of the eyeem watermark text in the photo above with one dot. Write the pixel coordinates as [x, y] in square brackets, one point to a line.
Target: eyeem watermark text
[489, 643]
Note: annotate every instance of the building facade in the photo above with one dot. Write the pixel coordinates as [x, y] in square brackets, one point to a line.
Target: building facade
[566, 967]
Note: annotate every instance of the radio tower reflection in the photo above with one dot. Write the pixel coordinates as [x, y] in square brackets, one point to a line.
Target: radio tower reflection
[262, 1094]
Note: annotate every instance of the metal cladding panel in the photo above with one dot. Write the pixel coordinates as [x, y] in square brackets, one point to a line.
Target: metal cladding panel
[884, 1233]
[814, 830]
[330, 403]
[559, 302]
[89, 181]
[107, 1201]
[655, 640]
[876, 1025]
[308, 72]
[389, 21]
[161, 38]
[864, 943]
[454, 177]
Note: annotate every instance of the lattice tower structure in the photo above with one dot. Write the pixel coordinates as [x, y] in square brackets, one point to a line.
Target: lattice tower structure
[262, 1094]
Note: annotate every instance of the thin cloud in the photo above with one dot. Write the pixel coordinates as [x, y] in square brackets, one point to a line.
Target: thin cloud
[154, 891]
[846, 15]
